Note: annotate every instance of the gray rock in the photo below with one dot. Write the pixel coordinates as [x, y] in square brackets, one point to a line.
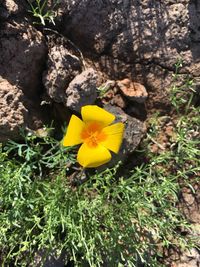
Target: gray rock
[62, 67]
[82, 90]
[134, 132]
[134, 31]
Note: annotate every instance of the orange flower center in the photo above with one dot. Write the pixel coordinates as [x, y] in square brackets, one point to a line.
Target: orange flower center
[92, 134]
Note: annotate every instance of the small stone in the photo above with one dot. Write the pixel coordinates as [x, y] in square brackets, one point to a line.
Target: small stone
[82, 90]
[11, 6]
[132, 90]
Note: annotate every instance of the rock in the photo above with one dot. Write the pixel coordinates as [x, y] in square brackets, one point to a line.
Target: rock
[98, 20]
[17, 111]
[82, 90]
[113, 97]
[189, 203]
[22, 56]
[12, 7]
[12, 111]
[135, 38]
[49, 259]
[118, 101]
[119, 31]
[159, 83]
[134, 132]
[132, 90]
[189, 258]
[62, 67]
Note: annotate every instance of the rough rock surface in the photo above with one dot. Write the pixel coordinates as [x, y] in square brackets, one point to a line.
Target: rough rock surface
[156, 32]
[134, 131]
[82, 90]
[189, 258]
[22, 55]
[12, 111]
[17, 111]
[22, 58]
[11, 8]
[62, 67]
[141, 40]
[134, 91]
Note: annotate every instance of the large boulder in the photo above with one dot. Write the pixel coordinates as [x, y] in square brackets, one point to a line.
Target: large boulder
[141, 40]
[22, 56]
[144, 32]
[22, 59]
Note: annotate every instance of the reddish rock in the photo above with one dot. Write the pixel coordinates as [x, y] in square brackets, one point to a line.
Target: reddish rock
[22, 56]
[22, 59]
[12, 111]
[119, 101]
[132, 90]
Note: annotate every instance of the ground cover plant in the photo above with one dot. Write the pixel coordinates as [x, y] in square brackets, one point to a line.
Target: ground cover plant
[112, 218]
[40, 11]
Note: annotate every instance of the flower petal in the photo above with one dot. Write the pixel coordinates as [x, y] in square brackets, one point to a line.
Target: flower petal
[95, 113]
[93, 157]
[73, 135]
[114, 136]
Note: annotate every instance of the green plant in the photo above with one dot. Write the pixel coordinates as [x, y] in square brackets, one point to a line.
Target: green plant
[182, 91]
[114, 217]
[109, 219]
[41, 11]
[102, 90]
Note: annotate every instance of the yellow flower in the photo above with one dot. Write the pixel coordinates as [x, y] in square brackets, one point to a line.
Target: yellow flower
[95, 134]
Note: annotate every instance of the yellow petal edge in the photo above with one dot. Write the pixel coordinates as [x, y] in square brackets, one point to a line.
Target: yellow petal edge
[95, 113]
[93, 157]
[114, 135]
[73, 134]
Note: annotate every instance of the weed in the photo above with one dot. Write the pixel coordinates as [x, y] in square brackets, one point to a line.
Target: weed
[102, 90]
[109, 219]
[41, 11]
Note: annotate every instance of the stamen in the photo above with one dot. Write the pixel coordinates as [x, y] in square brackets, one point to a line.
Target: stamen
[92, 134]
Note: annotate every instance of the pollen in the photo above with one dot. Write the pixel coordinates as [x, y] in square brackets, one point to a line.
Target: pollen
[93, 134]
